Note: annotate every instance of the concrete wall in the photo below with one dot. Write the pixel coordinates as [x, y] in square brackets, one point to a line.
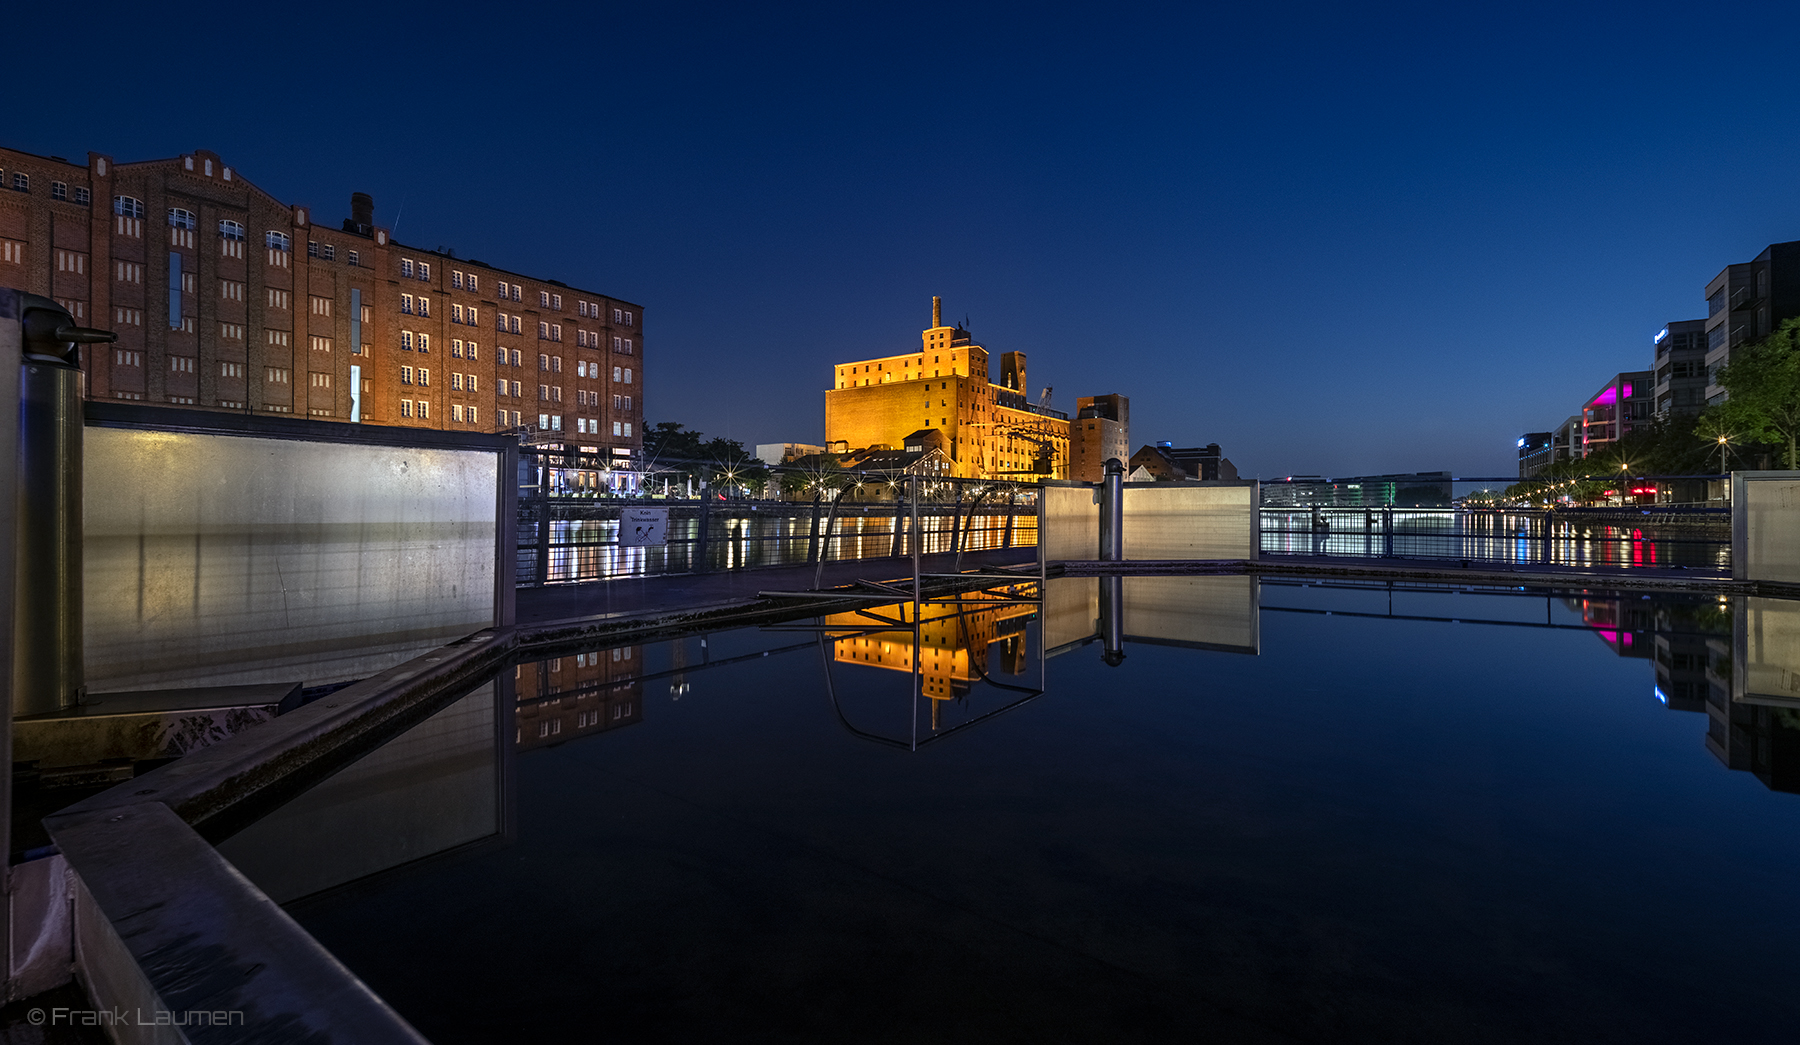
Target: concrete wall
[1190, 521]
[231, 559]
[1068, 523]
[1765, 526]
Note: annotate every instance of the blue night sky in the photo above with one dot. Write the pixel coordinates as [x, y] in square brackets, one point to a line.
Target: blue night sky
[1331, 241]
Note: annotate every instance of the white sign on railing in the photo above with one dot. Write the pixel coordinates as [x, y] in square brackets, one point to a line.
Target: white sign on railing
[643, 527]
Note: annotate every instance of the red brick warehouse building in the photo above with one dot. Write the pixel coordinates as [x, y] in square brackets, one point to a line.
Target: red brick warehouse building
[225, 298]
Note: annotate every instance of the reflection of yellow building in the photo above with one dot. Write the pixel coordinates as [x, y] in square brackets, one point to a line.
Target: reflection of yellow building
[992, 430]
[953, 643]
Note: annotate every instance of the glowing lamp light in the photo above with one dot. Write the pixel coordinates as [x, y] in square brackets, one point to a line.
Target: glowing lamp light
[1664, 332]
[1606, 398]
[1521, 444]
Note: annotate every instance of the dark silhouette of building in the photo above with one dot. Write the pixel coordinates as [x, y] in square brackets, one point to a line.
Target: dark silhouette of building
[1165, 462]
[1745, 303]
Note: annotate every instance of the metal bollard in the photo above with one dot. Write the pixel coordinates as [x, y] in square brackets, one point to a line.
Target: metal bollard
[1112, 511]
[47, 619]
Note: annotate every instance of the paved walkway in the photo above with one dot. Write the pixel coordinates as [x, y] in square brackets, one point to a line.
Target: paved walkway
[694, 591]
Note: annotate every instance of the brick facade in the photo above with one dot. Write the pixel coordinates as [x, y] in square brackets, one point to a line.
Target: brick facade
[226, 298]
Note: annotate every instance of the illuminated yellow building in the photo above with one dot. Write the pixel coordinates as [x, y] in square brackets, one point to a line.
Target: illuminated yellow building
[992, 430]
[953, 644]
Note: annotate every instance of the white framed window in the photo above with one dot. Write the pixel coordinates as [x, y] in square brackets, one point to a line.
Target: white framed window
[181, 364]
[456, 278]
[406, 304]
[406, 267]
[406, 375]
[455, 313]
[231, 230]
[556, 302]
[474, 315]
[278, 241]
[406, 408]
[543, 331]
[617, 428]
[424, 376]
[628, 375]
[424, 274]
[474, 349]
[472, 379]
[456, 348]
[456, 411]
[425, 409]
[627, 318]
[424, 342]
[352, 258]
[543, 299]
[406, 340]
[233, 370]
[128, 206]
[474, 281]
[474, 418]
[618, 317]
[628, 428]
[456, 382]
[424, 305]
[556, 331]
[278, 375]
[513, 324]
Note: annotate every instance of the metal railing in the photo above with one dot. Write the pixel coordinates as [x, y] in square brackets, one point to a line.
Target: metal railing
[1665, 538]
[850, 515]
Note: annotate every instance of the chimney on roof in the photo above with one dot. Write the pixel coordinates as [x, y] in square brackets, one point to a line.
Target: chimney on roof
[362, 208]
[937, 311]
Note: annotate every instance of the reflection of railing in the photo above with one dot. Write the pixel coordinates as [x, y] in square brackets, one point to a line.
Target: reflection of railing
[1695, 540]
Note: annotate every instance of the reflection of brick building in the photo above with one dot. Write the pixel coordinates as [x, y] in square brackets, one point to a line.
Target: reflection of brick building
[954, 644]
[226, 298]
[566, 697]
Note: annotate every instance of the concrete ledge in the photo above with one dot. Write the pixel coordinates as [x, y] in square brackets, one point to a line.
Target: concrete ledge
[203, 947]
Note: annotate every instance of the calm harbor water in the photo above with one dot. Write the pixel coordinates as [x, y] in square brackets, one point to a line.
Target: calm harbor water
[1290, 813]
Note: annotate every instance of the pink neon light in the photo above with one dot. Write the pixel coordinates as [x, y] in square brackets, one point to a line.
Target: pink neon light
[1608, 397]
[1611, 637]
[1627, 390]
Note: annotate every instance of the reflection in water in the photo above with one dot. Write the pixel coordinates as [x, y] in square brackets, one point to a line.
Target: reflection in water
[1140, 811]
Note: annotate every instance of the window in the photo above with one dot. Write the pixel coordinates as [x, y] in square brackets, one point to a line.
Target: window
[424, 274]
[628, 319]
[406, 267]
[543, 299]
[424, 376]
[556, 302]
[129, 272]
[231, 331]
[406, 340]
[618, 317]
[424, 305]
[516, 291]
[312, 248]
[456, 313]
[277, 375]
[556, 331]
[473, 314]
[352, 258]
[424, 408]
[59, 190]
[329, 251]
[229, 289]
[406, 304]
[581, 309]
[69, 261]
[628, 375]
[180, 218]
[543, 393]
[456, 412]
[474, 350]
[543, 361]
[127, 357]
[279, 298]
[231, 230]
[471, 379]
[456, 382]
[543, 331]
[556, 364]
[231, 370]
[456, 348]
[321, 344]
[456, 278]
[406, 408]
[628, 428]
[473, 419]
[82, 196]
[618, 373]
[627, 404]
[12, 251]
[627, 346]
[406, 375]
[500, 321]
[616, 428]
[474, 281]
[278, 241]
[512, 324]
[319, 306]
[618, 402]
[424, 342]
[21, 182]
[321, 380]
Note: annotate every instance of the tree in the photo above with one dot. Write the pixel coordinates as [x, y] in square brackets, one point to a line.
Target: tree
[1763, 379]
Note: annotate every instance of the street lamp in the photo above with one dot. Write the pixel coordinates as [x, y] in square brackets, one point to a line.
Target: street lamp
[1723, 439]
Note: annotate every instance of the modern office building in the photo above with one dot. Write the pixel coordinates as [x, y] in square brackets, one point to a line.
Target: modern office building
[1101, 430]
[1620, 407]
[1746, 302]
[1680, 369]
[226, 298]
[992, 429]
[1408, 490]
[1536, 451]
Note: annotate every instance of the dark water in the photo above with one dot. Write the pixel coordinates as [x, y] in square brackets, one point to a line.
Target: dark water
[1371, 828]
